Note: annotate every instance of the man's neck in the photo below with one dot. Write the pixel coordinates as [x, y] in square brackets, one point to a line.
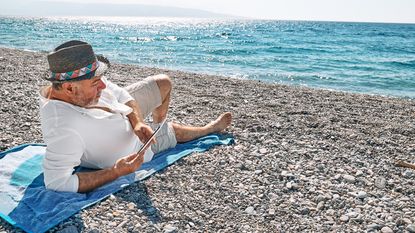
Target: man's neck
[53, 94]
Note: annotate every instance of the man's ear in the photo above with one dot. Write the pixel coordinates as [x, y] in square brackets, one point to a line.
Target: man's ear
[68, 87]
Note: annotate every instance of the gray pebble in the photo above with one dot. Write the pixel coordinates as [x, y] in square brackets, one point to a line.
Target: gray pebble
[320, 167]
[258, 172]
[294, 186]
[359, 173]
[403, 221]
[411, 228]
[69, 229]
[336, 196]
[349, 178]
[386, 230]
[374, 226]
[291, 185]
[361, 195]
[320, 205]
[407, 174]
[352, 214]
[380, 182]
[286, 174]
[305, 211]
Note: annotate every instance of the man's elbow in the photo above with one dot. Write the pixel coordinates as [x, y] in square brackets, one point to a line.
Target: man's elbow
[69, 184]
[57, 187]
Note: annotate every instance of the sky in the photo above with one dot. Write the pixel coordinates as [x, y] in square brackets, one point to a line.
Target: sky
[397, 11]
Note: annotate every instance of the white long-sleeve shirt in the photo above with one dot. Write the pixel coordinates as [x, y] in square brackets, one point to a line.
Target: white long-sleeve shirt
[92, 138]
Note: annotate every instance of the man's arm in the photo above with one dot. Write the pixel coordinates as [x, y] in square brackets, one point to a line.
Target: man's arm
[142, 130]
[89, 181]
[63, 152]
[135, 116]
[124, 97]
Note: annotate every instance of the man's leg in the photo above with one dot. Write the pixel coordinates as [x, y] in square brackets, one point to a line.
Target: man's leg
[152, 95]
[187, 133]
[165, 85]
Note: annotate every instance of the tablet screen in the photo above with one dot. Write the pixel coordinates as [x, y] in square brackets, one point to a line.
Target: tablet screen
[152, 136]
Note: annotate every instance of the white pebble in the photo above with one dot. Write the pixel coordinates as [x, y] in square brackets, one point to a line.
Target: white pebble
[361, 195]
[263, 150]
[386, 230]
[169, 228]
[131, 206]
[250, 210]
[344, 218]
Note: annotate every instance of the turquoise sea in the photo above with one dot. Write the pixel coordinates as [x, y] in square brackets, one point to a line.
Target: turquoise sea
[374, 58]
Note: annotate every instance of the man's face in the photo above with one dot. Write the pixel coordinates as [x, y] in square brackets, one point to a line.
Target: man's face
[87, 92]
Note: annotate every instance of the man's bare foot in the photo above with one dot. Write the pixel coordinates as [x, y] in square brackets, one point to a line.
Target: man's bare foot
[187, 133]
[221, 123]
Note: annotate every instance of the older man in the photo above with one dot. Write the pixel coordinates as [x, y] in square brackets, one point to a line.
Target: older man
[89, 121]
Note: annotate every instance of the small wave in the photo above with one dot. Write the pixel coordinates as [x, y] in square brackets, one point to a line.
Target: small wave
[230, 51]
[169, 38]
[239, 76]
[289, 30]
[244, 42]
[224, 35]
[295, 50]
[322, 77]
[406, 64]
[136, 39]
[390, 49]
[275, 49]
[29, 50]
[387, 34]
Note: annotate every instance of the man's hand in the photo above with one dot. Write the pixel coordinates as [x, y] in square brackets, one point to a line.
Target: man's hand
[143, 132]
[128, 164]
[89, 181]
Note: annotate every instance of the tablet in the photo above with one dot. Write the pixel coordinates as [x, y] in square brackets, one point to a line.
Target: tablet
[152, 136]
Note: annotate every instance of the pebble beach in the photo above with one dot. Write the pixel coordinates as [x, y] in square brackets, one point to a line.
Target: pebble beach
[304, 160]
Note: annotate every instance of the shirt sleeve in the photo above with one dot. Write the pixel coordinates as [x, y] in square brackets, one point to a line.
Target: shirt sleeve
[120, 93]
[63, 153]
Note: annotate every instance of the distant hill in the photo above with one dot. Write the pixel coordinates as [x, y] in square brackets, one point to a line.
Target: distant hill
[46, 8]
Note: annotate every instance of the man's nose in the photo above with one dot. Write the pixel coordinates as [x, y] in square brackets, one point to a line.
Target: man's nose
[101, 85]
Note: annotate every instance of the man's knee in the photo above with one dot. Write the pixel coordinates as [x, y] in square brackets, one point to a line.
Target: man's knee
[164, 83]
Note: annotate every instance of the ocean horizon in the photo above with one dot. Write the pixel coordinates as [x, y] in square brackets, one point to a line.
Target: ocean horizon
[371, 58]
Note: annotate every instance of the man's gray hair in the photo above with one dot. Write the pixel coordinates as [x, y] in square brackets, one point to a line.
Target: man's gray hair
[57, 85]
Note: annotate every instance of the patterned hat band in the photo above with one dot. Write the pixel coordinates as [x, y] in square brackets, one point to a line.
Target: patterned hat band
[76, 73]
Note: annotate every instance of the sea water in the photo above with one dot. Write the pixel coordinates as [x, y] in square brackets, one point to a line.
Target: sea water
[373, 58]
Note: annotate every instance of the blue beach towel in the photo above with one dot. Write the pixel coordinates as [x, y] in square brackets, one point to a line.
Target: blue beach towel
[26, 204]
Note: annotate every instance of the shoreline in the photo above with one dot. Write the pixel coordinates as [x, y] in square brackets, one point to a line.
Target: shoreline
[235, 77]
[305, 159]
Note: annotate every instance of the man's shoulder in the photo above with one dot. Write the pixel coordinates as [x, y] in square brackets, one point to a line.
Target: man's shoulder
[58, 106]
[58, 120]
[59, 114]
